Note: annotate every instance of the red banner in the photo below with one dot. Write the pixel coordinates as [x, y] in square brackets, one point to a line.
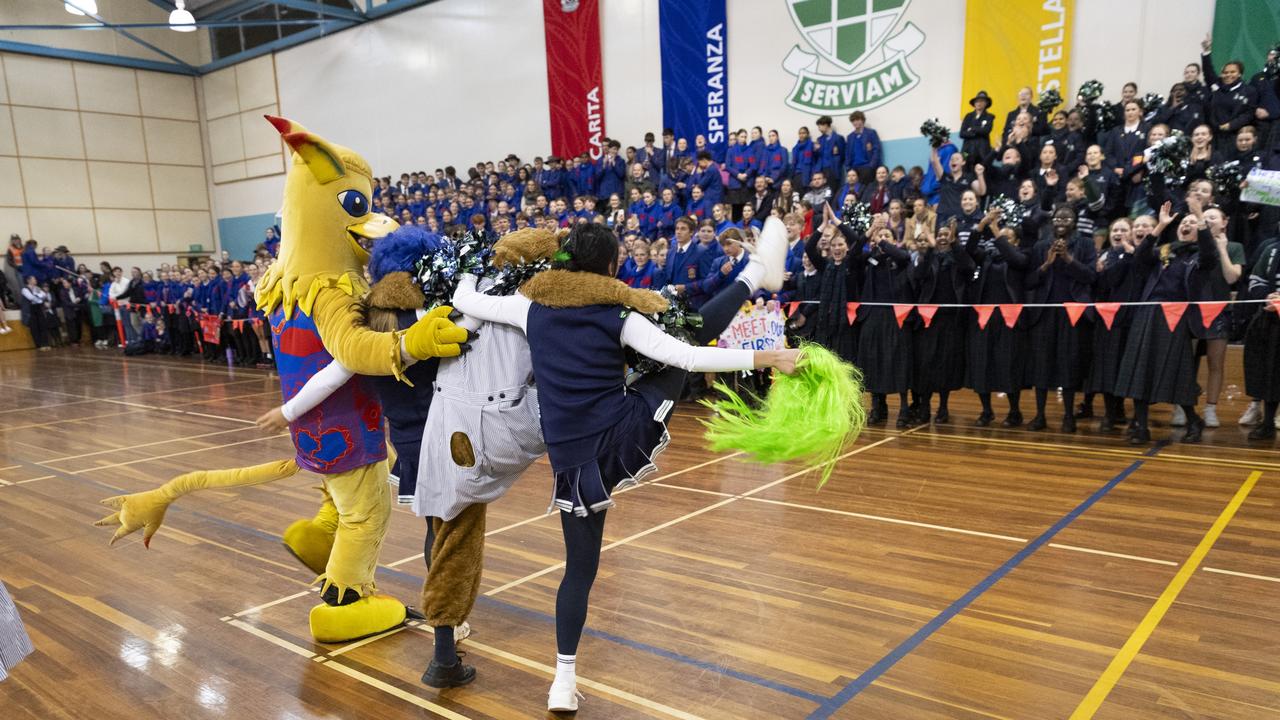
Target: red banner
[210, 327]
[575, 78]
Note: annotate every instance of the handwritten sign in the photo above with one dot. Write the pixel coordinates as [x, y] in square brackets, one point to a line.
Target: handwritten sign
[1263, 187]
[756, 328]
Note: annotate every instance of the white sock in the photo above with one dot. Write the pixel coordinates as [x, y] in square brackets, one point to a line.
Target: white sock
[753, 274]
[566, 673]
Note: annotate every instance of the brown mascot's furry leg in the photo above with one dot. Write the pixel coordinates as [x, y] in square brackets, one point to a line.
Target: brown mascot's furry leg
[457, 557]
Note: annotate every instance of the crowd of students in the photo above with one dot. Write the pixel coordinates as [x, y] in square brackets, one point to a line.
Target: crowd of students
[1049, 206]
[207, 308]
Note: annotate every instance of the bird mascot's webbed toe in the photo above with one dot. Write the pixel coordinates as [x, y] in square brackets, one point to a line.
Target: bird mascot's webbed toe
[311, 295]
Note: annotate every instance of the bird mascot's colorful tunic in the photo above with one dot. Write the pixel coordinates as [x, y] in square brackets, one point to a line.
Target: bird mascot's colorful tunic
[311, 295]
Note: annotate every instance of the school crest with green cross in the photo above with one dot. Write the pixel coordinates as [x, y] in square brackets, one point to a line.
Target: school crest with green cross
[853, 36]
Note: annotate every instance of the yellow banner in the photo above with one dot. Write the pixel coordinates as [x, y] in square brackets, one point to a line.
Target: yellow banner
[1012, 44]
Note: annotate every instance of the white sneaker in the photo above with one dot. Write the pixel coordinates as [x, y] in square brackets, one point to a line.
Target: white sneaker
[1211, 416]
[1252, 414]
[1179, 417]
[563, 698]
[772, 251]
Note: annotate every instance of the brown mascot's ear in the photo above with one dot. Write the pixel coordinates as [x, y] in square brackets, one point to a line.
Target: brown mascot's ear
[320, 157]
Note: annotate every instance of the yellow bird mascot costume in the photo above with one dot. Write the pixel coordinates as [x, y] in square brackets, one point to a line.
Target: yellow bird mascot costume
[311, 297]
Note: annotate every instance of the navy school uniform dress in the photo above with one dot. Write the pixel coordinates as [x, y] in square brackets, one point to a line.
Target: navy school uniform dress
[884, 349]
[1159, 365]
[838, 285]
[1060, 351]
[997, 354]
[1119, 282]
[938, 351]
[1262, 339]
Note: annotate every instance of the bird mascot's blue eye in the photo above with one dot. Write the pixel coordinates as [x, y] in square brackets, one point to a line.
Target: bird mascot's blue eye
[354, 203]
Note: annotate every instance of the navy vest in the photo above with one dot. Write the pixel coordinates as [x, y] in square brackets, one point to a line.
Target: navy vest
[579, 366]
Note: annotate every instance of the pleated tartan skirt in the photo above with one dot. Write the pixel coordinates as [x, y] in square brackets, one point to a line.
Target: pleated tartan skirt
[14, 643]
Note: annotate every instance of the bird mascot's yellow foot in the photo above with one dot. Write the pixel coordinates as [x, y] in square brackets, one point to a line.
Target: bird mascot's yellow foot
[311, 540]
[367, 616]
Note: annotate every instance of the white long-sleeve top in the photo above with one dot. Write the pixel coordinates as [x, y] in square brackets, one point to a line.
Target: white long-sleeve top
[637, 333]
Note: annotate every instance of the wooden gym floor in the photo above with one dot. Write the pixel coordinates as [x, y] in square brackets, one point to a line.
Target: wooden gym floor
[945, 572]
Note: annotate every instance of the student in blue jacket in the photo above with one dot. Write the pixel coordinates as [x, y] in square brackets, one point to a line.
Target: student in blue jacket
[639, 271]
[862, 147]
[611, 171]
[802, 159]
[707, 177]
[700, 205]
[668, 211]
[583, 176]
[648, 214]
[684, 261]
[774, 166]
[742, 165]
[828, 149]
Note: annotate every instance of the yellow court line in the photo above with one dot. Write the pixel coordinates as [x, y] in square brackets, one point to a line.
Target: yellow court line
[1094, 699]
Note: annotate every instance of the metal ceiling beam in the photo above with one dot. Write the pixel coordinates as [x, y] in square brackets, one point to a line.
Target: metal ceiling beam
[326, 10]
[137, 39]
[202, 24]
[100, 58]
[327, 28]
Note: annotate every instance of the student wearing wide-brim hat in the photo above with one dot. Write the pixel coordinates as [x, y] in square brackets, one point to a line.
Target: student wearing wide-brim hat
[975, 130]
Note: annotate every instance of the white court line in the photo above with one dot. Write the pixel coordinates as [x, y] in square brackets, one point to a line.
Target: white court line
[894, 521]
[536, 518]
[135, 447]
[695, 513]
[1251, 576]
[273, 603]
[278, 642]
[364, 641]
[395, 691]
[4, 482]
[1123, 556]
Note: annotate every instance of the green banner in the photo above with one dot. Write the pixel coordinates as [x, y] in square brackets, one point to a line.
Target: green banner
[1245, 30]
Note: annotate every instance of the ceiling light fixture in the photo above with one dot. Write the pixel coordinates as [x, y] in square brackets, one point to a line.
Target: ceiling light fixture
[181, 19]
[81, 7]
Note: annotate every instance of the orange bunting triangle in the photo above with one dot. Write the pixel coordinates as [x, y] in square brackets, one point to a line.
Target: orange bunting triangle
[1173, 313]
[926, 313]
[1010, 313]
[984, 314]
[1209, 311]
[792, 307]
[851, 311]
[901, 312]
[1107, 311]
[1074, 311]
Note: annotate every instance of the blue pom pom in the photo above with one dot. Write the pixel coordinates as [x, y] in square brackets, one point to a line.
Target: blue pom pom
[401, 250]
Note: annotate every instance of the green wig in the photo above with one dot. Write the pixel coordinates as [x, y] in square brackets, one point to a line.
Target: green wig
[810, 417]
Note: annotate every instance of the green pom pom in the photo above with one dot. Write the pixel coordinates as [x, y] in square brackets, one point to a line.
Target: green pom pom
[561, 256]
[809, 417]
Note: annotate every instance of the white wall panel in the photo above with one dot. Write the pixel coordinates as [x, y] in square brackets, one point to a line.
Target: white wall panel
[174, 142]
[269, 165]
[120, 185]
[8, 142]
[48, 133]
[1144, 41]
[226, 140]
[112, 137]
[179, 188]
[220, 93]
[14, 220]
[256, 83]
[55, 183]
[41, 82]
[73, 228]
[632, 70]
[126, 230]
[103, 88]
[260, 137]
[179, 230]
[229, 173]
[11, 194]
[167, 96]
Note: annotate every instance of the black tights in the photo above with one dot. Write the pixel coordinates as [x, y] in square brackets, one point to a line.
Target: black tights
[1269, 413]
[1068, 402]
[1141, 412]
[583, 536]
[926, 401]
[1015, 398]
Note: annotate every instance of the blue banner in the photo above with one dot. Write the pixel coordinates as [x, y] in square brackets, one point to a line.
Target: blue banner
[695, 71]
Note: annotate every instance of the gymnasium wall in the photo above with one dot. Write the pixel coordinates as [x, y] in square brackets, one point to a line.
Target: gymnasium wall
[105, 160]
[192, 48]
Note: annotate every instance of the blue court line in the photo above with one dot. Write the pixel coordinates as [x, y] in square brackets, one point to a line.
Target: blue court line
[871, 674]
[534, 614]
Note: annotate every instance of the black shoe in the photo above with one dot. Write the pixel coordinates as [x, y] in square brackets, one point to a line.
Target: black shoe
[984, 419]
[1139, 436]
[903, 421]
[1084, 412]
[875, 417]
[1013, 419]
[1037, 424]
[1264, 431]
[448, 676]
[1121, 420]
[942, 417]
[1107, 425]
[1195, 428]
[1069, 424]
